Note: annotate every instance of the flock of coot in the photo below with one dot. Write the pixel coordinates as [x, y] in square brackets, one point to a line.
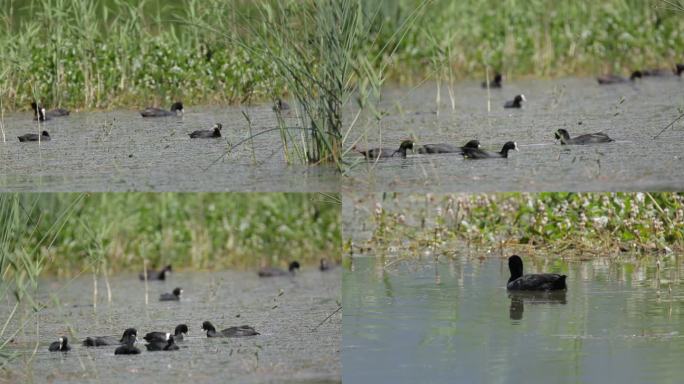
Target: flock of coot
[166, 341]
[472, 150]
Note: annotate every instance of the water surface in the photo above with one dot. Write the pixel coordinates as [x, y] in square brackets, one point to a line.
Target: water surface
[121, 151]
[452, 321]
[292, 347]
[630, 114]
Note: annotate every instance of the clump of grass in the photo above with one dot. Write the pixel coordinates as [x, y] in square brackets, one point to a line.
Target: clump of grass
[538, 37]
[111, 232]
[593, 223]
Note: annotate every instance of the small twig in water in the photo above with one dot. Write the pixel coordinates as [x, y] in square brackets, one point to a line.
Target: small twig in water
[326, 319]
[669, 125]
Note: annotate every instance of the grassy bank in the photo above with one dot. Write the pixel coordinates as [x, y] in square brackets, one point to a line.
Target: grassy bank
[531, 38]
[587, 223]
[198, 231]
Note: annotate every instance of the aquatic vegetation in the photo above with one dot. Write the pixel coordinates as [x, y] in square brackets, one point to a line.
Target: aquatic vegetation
[539, 37]
[593, 223]
[109, 232]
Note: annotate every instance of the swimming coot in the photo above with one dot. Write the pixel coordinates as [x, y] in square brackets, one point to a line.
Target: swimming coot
[61, 345]
[127, 349]
[241, 331]
[476, 153]
[590, 138]
[174, 296]
[516, 102]
[207, 134]
[375, 153]
[496, 83]
[44, 136]
[445, 148]
[181, 329]
[534, 282]
[272, 271]
[153, 275]
[280, 106]
[39, 113]
[176, 109]
[167, 345]
[615, 79]
[129, 336]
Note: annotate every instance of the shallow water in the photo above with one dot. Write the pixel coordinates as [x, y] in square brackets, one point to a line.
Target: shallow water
[452, 320]
[630, 114]
[121, 151]
[289, 349]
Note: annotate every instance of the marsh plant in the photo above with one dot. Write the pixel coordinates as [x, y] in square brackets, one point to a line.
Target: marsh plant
[588, 223]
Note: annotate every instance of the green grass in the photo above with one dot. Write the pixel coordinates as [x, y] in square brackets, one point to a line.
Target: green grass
[110, 232]
[587, 223]
[530, 38]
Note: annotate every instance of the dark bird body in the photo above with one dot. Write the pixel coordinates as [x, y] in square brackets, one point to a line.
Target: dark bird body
[44, 136]
[129, 336]
[379, 153]
[589, 138]
[445, 148]
[168, 345]
[496, 83]
[61, 345]
[207, 133]
[516, 102]
[176, 109]
[181, 329]
[41, 114]
[153, 275]
[615, 79]
[532, 282]
[174, 296]
[272, 271]
[239, 331]
[477, 154]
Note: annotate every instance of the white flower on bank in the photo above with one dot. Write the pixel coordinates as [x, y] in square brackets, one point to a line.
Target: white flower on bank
[601, 221]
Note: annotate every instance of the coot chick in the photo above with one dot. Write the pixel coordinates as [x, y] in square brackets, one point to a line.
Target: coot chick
[615, 79]
[44, 136]
[61, 345]
[589, 138]
[39, 113]
[280, 106]
[240, 331]
[375, 153]
[129, 336]
[168, 345]
[533, 282]
[161, 275]
[174, 296]
[272, 271]
[496, 83]
[181, 329]
[476, 153]
[446, 148]
[176, 109]
[207, 133]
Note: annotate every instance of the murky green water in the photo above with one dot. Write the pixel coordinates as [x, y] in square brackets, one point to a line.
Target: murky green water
[452, 321]
[292, 347]
[121, 151]
[630, 114]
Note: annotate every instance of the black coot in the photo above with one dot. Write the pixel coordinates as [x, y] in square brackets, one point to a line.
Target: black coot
[533, 282]
[240, 331]
[495, 83]
[176, 109]
[207, 133]
[173, 296]
[445, 148]
[153, 275]
[61, 345]
[44, 136]
[589, 138]
[272, 271]
[477, 154]
[615, 79]
[376, 153]
[516, 102]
